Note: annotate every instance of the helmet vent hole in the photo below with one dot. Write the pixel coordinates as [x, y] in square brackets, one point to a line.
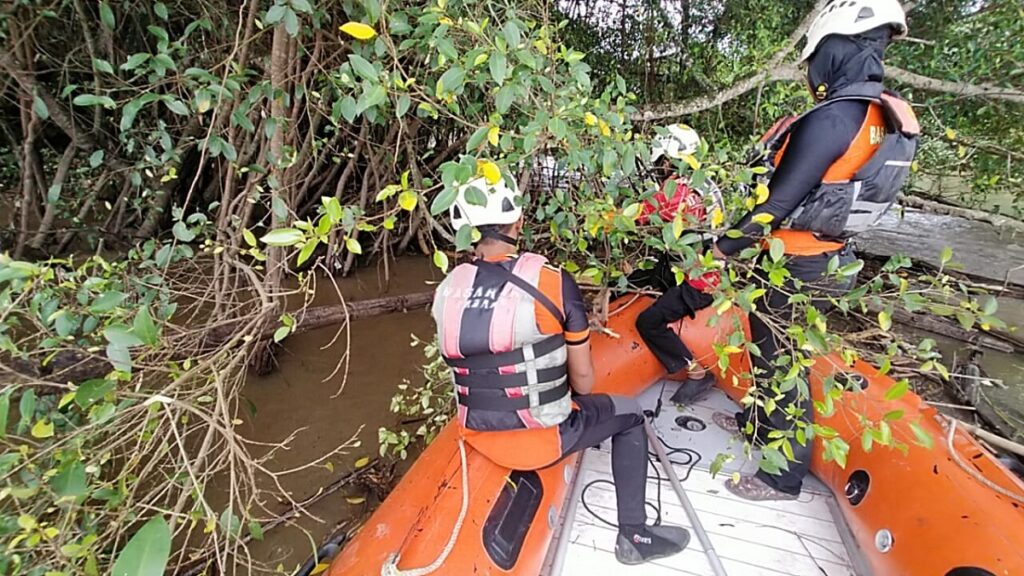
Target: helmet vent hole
[865, 13]
[456, 211]
[507, 206]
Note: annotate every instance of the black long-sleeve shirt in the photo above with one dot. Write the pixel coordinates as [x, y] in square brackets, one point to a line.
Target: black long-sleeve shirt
[815, 143]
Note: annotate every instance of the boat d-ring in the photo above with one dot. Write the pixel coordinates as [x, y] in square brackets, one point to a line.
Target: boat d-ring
[691, 423]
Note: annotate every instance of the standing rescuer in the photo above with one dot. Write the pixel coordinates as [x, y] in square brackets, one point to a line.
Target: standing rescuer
[516, 334]
[837, 169]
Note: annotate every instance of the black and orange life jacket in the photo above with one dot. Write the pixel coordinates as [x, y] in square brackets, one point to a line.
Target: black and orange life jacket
[862, 184]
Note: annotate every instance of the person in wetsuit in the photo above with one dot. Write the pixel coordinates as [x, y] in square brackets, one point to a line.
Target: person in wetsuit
[516, 334]
[845, 47]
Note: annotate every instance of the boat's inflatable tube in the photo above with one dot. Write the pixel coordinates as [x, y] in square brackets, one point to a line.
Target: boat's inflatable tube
[914, 513]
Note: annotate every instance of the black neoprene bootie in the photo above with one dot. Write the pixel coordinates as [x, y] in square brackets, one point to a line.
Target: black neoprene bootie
[636, 546]
[692, 390]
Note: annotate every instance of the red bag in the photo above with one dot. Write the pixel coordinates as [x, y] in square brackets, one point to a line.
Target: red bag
[708, 282]
[685, 201]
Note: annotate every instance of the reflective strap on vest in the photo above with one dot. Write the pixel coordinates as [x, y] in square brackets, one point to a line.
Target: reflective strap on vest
[510, 358]
[525, 286]
[505, 404]
[503, 381]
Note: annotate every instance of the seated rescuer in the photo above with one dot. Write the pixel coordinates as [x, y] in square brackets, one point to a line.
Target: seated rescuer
[677, 301]
[516, 334]
[837, 169]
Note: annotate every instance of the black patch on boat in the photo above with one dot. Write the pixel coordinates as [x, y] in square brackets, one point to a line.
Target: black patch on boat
[969, 571]
[508, 522]
[935, 469]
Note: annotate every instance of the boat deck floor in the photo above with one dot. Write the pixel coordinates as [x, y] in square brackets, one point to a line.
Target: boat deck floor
[795, 538]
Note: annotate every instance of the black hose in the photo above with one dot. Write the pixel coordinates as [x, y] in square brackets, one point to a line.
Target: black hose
[325, 552]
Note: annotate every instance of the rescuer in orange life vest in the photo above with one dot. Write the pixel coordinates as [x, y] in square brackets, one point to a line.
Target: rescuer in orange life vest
[516, 334]
[837, 169]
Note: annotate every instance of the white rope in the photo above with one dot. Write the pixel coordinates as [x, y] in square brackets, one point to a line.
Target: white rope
[974, 473]
[390, 567]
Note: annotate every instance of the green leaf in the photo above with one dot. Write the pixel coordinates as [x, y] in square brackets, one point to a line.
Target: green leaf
[372, 10]
[249, 237]
[353, 246]
[512, 34]
[403, 105]
[96, 158]
[93, 100]
[255, 530]
[301, 6]
[923, 438]
[307, 251]
[27, 409]
[92, 390]
[477, 138]
[107, 16]
[464, 238]
[946, 255]
[451, 80]
[291, 22]
[39, 107]
[129, 112]
[283, 237]
[443, 200]
[885, 320]
[499, 67]
[362, 67]
[144, 327]
[230, 523]
[504, 98]
[275, 14]
[281, 333]
[441, 261]
[119, 335]
[160, 9]
[177, 106]
[42, 429]
[70, 482]
[107, 302]
[147, 552]
[5, 409]
[135, 60]
[897, 390]
[182, 232]
[776, 249]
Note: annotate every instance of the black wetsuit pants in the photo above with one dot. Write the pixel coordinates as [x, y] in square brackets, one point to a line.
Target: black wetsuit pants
[676, 303]
[602, 416]
[810, 270]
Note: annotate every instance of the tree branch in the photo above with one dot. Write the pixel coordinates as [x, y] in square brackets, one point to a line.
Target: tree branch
[983, 90]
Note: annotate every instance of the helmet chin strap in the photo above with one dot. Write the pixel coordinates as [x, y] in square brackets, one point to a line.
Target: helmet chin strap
[495, 235]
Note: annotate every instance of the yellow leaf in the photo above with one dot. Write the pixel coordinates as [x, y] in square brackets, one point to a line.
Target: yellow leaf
[604, 128]
[761, 192]
[358, 30]
[407, 200]
[632, 211]
[763, 218]
[693, 162]
[355, 499]
[677, 226]
[489, 170]
[914, 166]
[950, 134]
[237, 421]
[329, 465]
[589, 119]
[353, 246]
[731, 349]
[724, 307]
[492, 135]
[480, 59]
[717, 218]
[735, 477]
[320, 568]
[42, 429]
[362, 462]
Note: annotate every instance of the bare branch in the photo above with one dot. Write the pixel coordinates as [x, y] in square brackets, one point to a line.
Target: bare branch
[961, 88]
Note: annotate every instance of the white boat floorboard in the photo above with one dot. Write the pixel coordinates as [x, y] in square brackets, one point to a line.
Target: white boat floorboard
[796, 538]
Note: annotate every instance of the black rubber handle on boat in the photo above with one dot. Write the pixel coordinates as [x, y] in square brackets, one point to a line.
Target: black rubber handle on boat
[702, 535]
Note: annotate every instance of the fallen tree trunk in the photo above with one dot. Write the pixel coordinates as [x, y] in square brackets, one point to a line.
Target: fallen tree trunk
[997, 340]
[78, 366]
[960, 212]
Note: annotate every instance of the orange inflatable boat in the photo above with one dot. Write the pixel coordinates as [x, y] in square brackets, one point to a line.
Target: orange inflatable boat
[949, 510]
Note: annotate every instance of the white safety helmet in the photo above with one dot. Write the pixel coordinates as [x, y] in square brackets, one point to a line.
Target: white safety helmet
[500, 203]
[852, 17]
[679, 140]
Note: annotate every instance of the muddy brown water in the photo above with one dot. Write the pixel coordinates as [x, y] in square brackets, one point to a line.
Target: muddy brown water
[302, 394]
